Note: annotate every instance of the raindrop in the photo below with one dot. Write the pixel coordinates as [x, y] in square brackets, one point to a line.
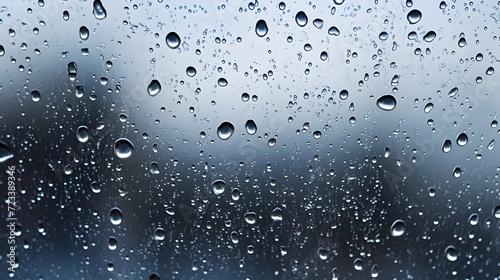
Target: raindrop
[322, 253]
[462, 42]
[154, 168]
[453, 92]
[99, 11]
[72, 68]
[154, 276]
[84, 33]
[414, 16]
[225, 130]
[282, 6]
[218, 186]
[490, 71]
[222, 82]
[358, 264]
[245, 97]
[261, 28]
[323, 56]
[112, 243]
[457, 172]
[317, 134]
[82, 134]
[96, 187]
[251, 127]
[383, 36]
[333, 31]
[123, 148]
[462, 139]
[191, 71]
[5, 152]
[374, 273]
[115, 216]
[235, 194]
[430, 36]
[387, 152]
[277, 214]
[386, 102]
[2, 50]
[496, 211]
[159, 234]
[65, 15]
[473, 219]
[344, 94]
[173, 40]
[491, 145]
[318, 23]
[446, 146]
[301, 19]
[235, 238]
[271, 142]
[154, 87]
[250, 218]
[451, 253]
[442, 5]
[398, 228]
[35, 96]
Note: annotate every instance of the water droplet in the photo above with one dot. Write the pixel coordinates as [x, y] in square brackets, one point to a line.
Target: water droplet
[322, 253]
[442, 5]
[428, 107]
[96, 187]
[225, 130]
[251, 127]
[2, 50]
[154, 276]
[453, 92]
[491, 145]
[277, 214]
[84, 33]
[374, 273]
[99, 11]
[496, 211]
[65, 15]
[154, 168]
[250, 249]
[218, 186]
[5, 152]
[430, 36]
[333, 31]
[473, 219]
[271, 142]
[335, 274]
[387, 152]
[72, 69]
[235, 194]
[318, 23]
[383, 36]
[490, 71]
[112, 243]
[462, 139]
[317, 134]
[235, 238]
[154, 87]
[386, 102]
[344, 94]
[35, 96]
[250, 218]
[451, 253]
[457, 172]
[222, 82]
[245, 97]
[191, 71]
[323, 56]
[261, 28]
[462, 42]
[282, 6]
[123, 148]
[358, 264]
[115, 216]
[173, 40]
[398, 228]
[414, 16]
[446, 146]
[159, 234]
[82, 134]
[301, 19]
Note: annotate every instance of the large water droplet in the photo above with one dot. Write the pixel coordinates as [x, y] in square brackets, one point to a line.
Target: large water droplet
[84, 33]
[446, 146]
[35, 96]
[491, 145]
[5, 152]
[218, 186]
[386, 102]
[462, 139]
[154, 168]
[457, 172]
[115, 216]
[473, 219]
[414, 16]
[123, 148]
[99, 11]
[112, 243]
[496, 211]
[251, 127]
[250, 218]
[430, 36]
[462, 42]
[398, 228]
[235, 238]
[159, 234]
[222, 82]
[374, 273]
[225, 130]
[322, 253]
[358, 264]
[451, 253]
[428, 107]
[318, 23]
[301, 19]
[173, 40]
[82, 134]
[453, 92]
[154, 87]
[96, 187]
[261, 28]
[334, 31]
[277, 214]
[72, 69]
[191, 71]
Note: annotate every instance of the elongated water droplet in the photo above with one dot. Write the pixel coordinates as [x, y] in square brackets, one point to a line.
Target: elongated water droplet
[96, 187]
[250, 218]
[462, 42]
[323, 55]
[173, 40]
[453, 92]
[235, 194]
[35, 96]
[65, 15]
[112, 243]
[374, 273]
[446, 146]
[322, 253]
[123, 148]
[491, 145]
[115, 216]
[386, 102]
[473, 219]
[72, 69]
[218, 186]
[414, 16]
[154, 87]
[451, 253]
[225, 130]
[457, 172]
[99, 11]
[84, 33]
[251, 127]
[82, 134]
[261, 28]
[235, 238]
[398, 228]
[462, 139]
[428, 107]
[301, 19]
[430, 36]
[154, 168]
[5, 152]
[358, 264]
[496, 211]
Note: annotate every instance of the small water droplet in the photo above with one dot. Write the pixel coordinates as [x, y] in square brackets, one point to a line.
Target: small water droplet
[490, 71]
[65, 15]
[99, 11]
[115, 216]
[414, 16]
[386, 102]
[491, 145]
[84, 33]
[317, 134]
[159, 234]
[96, 187]
[442, 5]
[123, 148]
[218, 186]
[446, 146]
[154, 87]
[457, 172]
[344, 94]
[173, 40]
[35, 96]
[112, 243]
[453, 92]
[277, 214]
[225, 130]
[245, 97]
[451, 253]
[72, 70]
[251, 127]
[428, 107]
[301, 19]
[383, 36]
[462, 139]
[462, 42]
[235, 194]
[387, 152]
[82, 133]
[323, 56]
[271, 142]
[250, 218]
[496, 211]
[473, 219]
[282, 6]
[261, 28]
[235, 238]
[398, 228]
